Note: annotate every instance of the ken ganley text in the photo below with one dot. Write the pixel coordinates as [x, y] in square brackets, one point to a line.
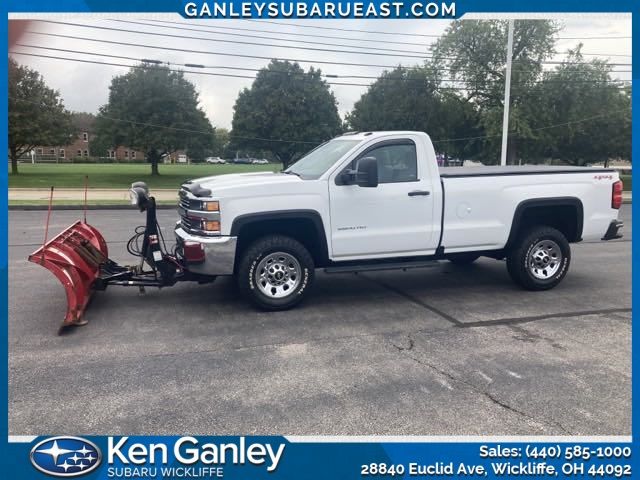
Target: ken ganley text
[187, 456]
[284, 9]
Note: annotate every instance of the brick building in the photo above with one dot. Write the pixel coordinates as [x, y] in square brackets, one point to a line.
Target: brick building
[80, 146]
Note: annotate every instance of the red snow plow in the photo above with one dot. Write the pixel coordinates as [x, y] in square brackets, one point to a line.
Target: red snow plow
[74, 257]
[79, 258]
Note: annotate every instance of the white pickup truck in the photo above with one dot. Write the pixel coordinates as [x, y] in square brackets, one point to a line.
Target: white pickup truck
[377, 200]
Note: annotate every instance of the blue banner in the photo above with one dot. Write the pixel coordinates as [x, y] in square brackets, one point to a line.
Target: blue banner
[279, 457]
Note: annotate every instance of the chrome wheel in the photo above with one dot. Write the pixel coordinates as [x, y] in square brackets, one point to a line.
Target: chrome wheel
[278, 275]
[544, 260]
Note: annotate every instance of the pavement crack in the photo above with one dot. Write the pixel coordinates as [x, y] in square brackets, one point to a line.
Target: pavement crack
[405, 348]
[492, 398]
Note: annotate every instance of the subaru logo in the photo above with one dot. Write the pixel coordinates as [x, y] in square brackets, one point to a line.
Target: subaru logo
[65, 456]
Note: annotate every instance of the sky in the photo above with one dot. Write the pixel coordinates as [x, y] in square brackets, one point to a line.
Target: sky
[85, 86]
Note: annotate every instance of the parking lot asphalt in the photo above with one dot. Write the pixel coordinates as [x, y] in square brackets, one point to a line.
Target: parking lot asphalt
[445, 350]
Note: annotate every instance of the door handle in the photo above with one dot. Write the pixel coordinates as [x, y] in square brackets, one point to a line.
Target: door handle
[416, 193]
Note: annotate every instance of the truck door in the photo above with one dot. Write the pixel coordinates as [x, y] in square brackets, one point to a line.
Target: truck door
[396, 218]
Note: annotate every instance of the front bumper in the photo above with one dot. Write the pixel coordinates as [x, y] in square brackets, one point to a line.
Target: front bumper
[218, 254]
[612, 231]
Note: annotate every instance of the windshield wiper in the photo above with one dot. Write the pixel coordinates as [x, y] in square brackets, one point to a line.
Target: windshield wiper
[290, 172]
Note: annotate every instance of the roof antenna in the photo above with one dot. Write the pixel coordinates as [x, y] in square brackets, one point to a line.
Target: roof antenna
[86, 185]
[46, 228]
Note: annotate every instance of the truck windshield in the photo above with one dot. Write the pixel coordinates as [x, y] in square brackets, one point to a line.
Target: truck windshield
[320, 159]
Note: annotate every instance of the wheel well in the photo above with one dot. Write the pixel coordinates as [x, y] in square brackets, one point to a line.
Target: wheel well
[565, 216]
[304, 229]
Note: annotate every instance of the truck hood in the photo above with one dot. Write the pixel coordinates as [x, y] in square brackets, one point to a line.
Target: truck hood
[220, 184]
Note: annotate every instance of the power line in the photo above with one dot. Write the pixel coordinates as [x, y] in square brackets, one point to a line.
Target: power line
[173, 70]
[193, 65]
[547, 127]
[217, 27]
[205, 52]
[214, 74]
[420, 35]
[53, 57]
[285, 72]
[244, 35]
[238, 42]
[344, 29]
[586, 119]
[595, 38]
[411, 54]
[239, 55]
[480, 137]
[124, 65]
[597, 54]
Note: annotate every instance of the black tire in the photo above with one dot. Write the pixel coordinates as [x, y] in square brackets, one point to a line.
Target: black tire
[298, 280]
[536, 269]
[463, 258]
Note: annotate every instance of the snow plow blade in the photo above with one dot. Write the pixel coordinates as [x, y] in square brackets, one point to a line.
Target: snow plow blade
[74, 257]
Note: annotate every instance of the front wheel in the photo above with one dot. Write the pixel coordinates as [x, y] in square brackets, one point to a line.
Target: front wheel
[275, 272]
[540, 258]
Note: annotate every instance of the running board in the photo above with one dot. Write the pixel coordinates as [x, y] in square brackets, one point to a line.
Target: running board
[374, 267]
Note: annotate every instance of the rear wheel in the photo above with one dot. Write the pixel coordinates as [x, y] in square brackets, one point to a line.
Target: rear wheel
[275, 272]
[539, 259]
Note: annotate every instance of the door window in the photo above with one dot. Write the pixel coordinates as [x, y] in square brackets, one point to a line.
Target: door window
[397, 162]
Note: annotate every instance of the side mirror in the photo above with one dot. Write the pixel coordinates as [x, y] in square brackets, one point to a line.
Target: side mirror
[367, 172]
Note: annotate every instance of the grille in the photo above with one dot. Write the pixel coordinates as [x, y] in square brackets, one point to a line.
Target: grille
[189, 224]
[184, 200]
[185, 204]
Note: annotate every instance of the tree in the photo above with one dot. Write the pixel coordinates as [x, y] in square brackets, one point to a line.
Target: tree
[221, 147]
[589, 113]
[411, 99]
[286, 111]
[155, 110]
[36, 114]
[400, 99]
[473, 53]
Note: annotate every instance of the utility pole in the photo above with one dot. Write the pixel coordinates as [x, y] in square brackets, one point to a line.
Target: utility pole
[507, 95]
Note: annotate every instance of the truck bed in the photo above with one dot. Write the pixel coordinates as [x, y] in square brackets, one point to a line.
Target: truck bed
[480, 202]
[497, 170]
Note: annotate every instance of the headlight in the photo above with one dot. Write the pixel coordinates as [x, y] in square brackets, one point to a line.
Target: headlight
[212, 226]
[211, 206]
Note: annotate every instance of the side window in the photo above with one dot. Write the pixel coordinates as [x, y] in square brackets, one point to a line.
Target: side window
[396, 162]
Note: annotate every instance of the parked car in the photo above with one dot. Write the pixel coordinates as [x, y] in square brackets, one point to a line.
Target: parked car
[378, 201]
[183, 159]
[215, 160]
[260, 161]
[242, 161]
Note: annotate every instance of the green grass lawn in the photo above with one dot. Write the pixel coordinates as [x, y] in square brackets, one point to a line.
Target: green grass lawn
[120, 175]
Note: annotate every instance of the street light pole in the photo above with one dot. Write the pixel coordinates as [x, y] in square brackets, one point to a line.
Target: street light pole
[507, 95]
